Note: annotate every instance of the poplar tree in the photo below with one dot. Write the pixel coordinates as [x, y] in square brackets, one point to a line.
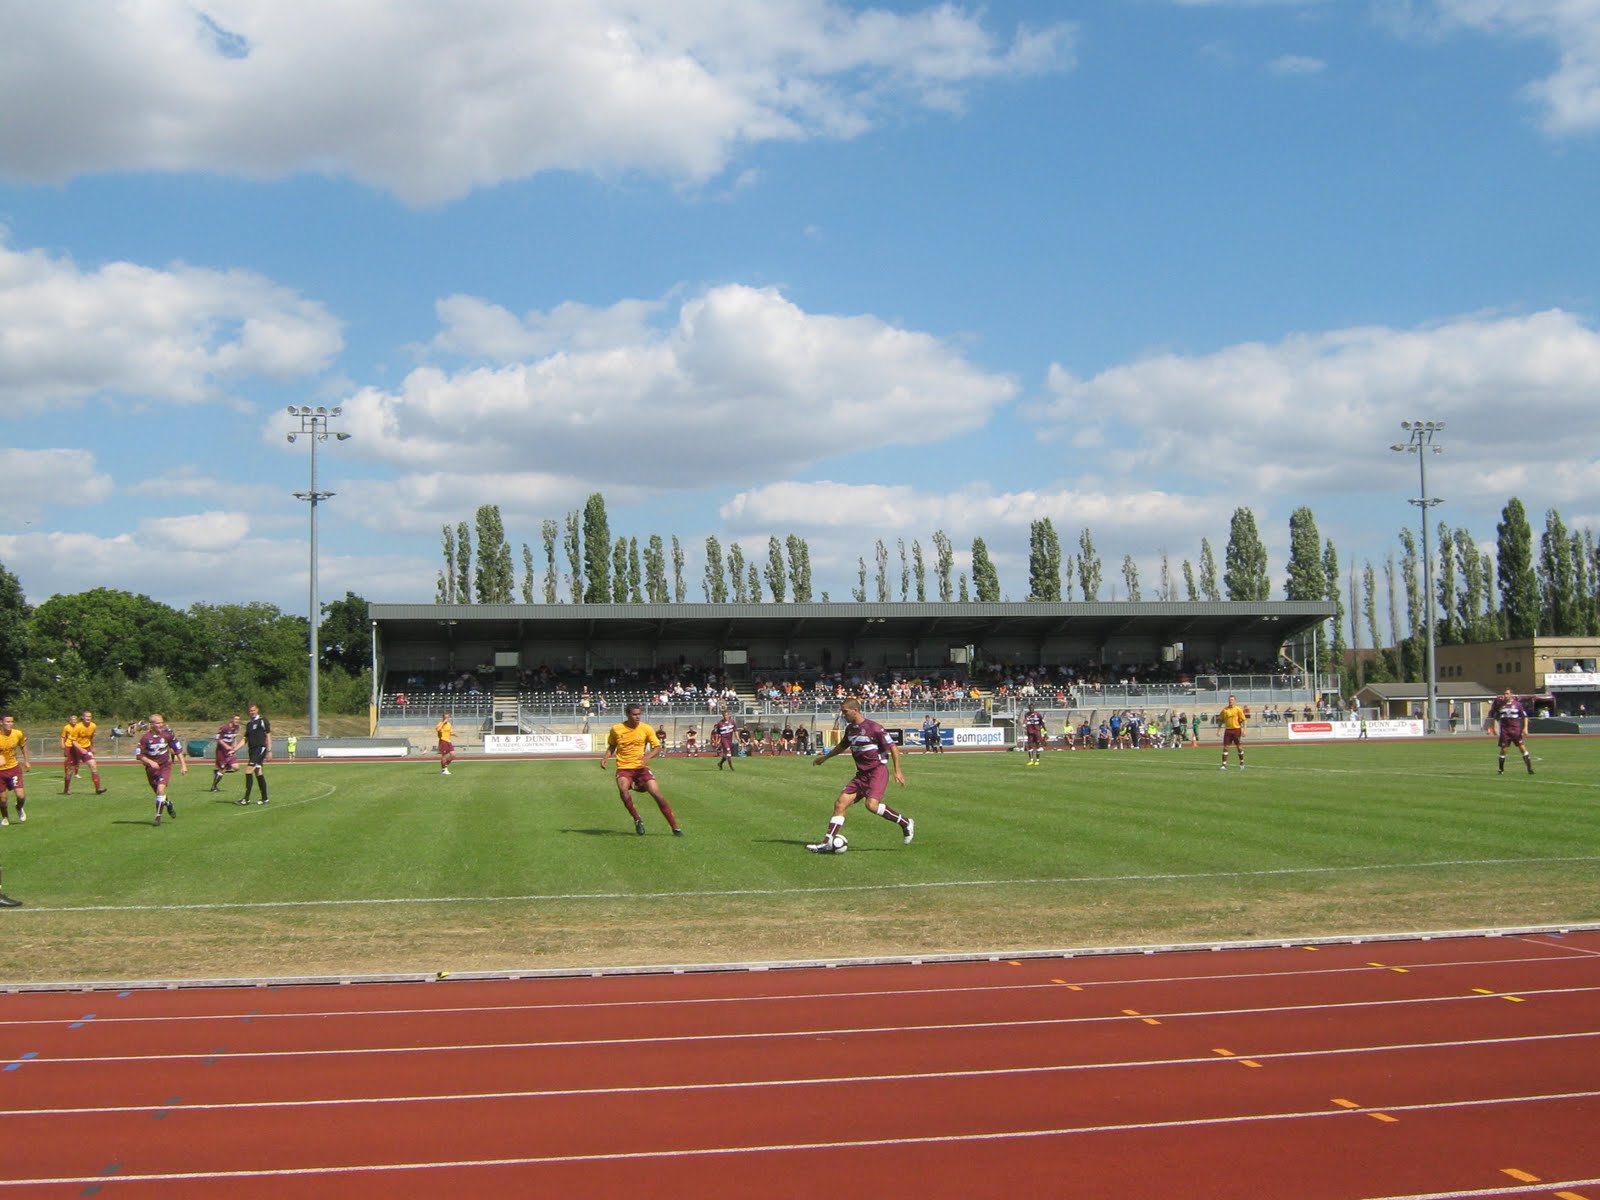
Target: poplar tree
[1519, 586]
[550, 532]
[799, 569]
[655, 570]
[736, 575]
[920, 570]
[753, 584]
[1410, 575]
[775, 572]
[619, 570]
[1449, 632]
[1208, 572]
[597, 551]
[1089, 570]
[944, 559]
[1245, 560]
[859, 592]
[880, 557]
[1307, 578]
[679, 591]
[572, 543]
[463, 563]
[1130, 577]
[905, 572]
[494, 578]
[1332, 582]
[447, 577]
[1188, 582]
[1044, 561]
[1556, 592]
[714, 583]
[527, 573]
[985, 579]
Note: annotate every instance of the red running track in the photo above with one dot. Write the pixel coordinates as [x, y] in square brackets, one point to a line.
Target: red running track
[1447, 1068]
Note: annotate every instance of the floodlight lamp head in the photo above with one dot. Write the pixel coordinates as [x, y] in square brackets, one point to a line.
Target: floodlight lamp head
[334, 412]
[293, 411]
[343, 437]
[304, 411]
[292, 437]
[1399, 447]
[1405, 424]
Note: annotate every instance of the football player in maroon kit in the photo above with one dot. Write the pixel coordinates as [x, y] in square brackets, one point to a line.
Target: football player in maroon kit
[1512, 718]
[869, 744]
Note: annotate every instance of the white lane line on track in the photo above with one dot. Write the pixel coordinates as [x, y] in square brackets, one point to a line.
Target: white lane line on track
[681, 1152]
[256, 1015]
[34, 1064]
[819, 1081]
[38, 910]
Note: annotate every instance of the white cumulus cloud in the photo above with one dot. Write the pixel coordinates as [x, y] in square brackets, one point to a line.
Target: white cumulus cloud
[433, 100]
[180, 334]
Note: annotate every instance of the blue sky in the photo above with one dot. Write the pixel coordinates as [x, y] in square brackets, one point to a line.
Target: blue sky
[848, 271]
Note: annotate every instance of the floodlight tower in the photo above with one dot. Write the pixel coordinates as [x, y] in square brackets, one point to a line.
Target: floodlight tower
[314, 428]
[1422, 443]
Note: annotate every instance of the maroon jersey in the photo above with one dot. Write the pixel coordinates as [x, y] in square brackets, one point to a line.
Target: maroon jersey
[869, 744]
[1511, 716]
[158, 745]
[1033, 726]
[723, 731]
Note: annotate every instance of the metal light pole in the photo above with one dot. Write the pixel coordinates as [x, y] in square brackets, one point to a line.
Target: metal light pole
[1421, 444]
[314, 428]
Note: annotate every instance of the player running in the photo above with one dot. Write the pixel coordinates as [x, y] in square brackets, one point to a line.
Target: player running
[1233, 718]
[77, 752]
[1513, 720]
[868, 743]
[157, 749]
[226, 759]
[13, 762]
[1033, 734]
[634, 744]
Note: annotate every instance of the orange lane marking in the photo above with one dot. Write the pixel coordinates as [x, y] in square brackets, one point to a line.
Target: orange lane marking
[1308, 947]
[1223, 1052]
[1058, 981]
[1013, 962]
[1345, 1103]
[1249, 1062]
[1400, 970]
[1484, 991]
[1374, 964]
[1514, 999]
[1519, 1176]
[1151, 1021]
[1384, 1117]
[1130, 1012]
[1569, 1196]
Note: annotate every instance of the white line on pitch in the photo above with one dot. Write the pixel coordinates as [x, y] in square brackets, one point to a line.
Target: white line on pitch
[1165, 877]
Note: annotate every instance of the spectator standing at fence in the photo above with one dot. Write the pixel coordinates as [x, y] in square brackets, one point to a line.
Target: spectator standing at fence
[633, 744]
[1232, 719]
[258, 748]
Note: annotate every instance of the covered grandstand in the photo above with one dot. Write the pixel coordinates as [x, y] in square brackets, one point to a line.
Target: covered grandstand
[515, 667]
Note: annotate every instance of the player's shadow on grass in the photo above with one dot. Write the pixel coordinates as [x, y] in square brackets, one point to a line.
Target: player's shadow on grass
[130, 821]
[603, 832]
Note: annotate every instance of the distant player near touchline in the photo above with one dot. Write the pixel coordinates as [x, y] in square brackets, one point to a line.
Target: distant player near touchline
[446, 733]
[1512, 718]
[226, 760]
[930, 735]
[634, 744]
[1232, 718]
[13, 750]
[1033, 734]
[77, 742]
[157, 749]
[722, 735]
[258, 747]
[867, 743]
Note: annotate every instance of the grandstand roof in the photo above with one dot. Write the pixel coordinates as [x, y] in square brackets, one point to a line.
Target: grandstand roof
[1269, 623]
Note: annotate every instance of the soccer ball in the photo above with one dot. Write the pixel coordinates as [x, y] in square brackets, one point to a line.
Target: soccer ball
[840, 843]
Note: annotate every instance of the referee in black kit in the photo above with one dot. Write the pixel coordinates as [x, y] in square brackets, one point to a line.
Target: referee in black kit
[258, 744]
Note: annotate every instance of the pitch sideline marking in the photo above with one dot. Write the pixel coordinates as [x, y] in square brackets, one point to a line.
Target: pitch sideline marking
[532, 898]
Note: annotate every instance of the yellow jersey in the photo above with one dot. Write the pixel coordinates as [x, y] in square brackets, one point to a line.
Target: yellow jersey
[630, 745]
[446, 731]
[10, 744]
[1233, 717]
[82, 734]
[66, 733]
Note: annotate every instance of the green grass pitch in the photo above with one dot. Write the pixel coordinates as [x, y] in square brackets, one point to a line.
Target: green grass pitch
[373, 867]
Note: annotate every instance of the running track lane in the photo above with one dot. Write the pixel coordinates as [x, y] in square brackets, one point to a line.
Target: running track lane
[1461, 1067]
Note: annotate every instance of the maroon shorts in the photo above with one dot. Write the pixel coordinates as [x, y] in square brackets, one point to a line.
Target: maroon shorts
[1232, 737]
[869, 784]
[637, 779]
[725, 744]
[77, 755]
[158, 777]
[1510, 736]
[226, 759]
[10, 781]
[447, 747]
[1035, 737]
